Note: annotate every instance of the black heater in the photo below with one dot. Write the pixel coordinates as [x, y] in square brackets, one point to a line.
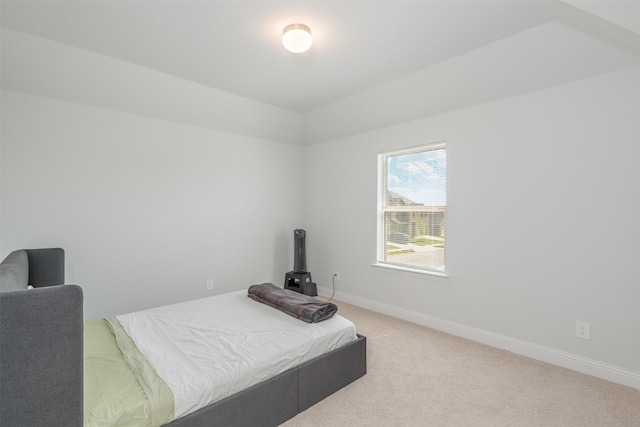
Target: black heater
[299, 279]
[300, 251]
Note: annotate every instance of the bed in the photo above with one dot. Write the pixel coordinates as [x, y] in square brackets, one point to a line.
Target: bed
[41, 355]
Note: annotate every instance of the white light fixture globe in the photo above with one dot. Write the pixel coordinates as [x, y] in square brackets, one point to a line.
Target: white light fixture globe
[296, 38]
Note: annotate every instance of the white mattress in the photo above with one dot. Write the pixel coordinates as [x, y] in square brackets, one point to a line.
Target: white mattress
[211, 348]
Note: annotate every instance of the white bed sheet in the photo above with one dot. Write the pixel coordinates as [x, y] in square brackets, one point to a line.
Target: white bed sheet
[211, 348]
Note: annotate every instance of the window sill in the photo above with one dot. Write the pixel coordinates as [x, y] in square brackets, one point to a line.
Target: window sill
[411, 272]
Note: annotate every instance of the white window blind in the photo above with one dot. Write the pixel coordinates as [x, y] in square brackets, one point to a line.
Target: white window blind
[412, 208]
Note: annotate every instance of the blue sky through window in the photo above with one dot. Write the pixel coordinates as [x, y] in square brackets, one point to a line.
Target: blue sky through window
[420, 177]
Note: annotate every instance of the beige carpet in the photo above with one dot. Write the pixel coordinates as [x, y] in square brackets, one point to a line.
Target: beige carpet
[417, 376]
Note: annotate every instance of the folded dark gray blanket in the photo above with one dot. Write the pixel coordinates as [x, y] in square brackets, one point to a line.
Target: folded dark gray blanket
[300, 306]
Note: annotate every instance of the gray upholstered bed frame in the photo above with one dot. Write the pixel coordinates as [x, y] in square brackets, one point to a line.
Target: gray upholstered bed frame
[41, 353]
[40, 341]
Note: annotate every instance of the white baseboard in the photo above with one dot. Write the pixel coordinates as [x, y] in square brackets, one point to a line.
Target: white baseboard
[574, 362]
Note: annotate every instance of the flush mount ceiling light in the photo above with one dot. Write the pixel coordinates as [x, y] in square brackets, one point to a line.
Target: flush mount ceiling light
[296, 38]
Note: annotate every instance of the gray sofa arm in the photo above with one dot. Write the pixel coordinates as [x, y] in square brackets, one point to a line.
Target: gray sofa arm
[41, 357]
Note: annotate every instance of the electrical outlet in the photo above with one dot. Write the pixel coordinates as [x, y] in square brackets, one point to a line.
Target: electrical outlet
[336, 276]
[583, 330]
[209, 284]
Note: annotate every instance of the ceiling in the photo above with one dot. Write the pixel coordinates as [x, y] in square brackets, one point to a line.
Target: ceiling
[234, 46]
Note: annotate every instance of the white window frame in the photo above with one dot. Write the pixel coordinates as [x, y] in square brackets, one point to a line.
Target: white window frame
[380, 225]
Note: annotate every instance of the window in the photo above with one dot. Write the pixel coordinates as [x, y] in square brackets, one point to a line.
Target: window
[412, 208]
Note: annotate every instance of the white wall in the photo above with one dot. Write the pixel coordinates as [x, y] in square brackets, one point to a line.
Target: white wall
[543, 221]
[146, 209]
